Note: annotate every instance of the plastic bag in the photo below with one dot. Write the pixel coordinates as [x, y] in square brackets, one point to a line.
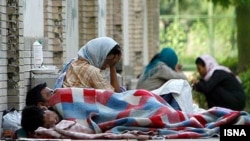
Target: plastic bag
[11, 120]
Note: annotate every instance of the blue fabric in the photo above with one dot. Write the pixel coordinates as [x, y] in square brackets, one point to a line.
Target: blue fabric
[171, 101]
[167, 55]
[59, 80]
[123, 89]
[21, 133]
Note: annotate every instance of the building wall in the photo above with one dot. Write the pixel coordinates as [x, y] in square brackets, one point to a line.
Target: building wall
[13, 55]
[143, 43]
[63, 25]
[54, 30]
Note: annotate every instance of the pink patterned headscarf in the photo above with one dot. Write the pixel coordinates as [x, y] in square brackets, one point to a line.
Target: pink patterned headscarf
[212, 65]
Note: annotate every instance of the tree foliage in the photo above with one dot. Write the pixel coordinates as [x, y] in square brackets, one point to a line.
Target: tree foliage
[227, 3]
[242, 11]
[188, 28]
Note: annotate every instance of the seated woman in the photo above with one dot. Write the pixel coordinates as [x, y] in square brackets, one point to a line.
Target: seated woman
[87, 70]
[219, 85]
[163, 67]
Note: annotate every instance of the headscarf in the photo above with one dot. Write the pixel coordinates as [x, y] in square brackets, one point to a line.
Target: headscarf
[167, 56]
[96, 50]
[212, 65]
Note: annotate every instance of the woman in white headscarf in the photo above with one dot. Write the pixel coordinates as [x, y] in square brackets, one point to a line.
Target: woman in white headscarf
[86, 71]
[219, 85]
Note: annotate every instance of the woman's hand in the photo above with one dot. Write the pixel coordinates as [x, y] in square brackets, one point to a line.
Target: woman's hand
[178, 67]
[115, 60]
[194, 83]
[111, 61]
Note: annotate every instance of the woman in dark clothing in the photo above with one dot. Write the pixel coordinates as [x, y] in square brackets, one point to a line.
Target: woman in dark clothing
[219, 85]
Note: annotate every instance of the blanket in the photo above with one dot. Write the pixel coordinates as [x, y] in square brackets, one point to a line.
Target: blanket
[134, 114]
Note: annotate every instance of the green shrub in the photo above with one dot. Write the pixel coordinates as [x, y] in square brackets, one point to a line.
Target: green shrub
[199, 99]
[245, 78]
[232, 63]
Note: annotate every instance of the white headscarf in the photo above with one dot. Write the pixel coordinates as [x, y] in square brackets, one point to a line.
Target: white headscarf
[96, 50]
[212, 65]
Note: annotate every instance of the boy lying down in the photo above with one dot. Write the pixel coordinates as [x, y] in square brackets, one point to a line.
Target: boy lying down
[80, 104]
[40, 117]
[134, 114]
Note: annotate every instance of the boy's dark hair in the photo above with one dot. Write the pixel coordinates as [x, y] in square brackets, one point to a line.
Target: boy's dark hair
[116, 50]
[32, 118]
[199, 61]
[34, 95]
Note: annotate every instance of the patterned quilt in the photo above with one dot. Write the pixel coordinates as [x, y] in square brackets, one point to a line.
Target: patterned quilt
[134, 114]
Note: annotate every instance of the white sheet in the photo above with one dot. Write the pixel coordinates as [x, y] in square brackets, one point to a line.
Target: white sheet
[182, 93]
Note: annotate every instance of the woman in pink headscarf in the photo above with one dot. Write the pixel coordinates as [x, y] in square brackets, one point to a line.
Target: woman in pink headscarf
[219, 85]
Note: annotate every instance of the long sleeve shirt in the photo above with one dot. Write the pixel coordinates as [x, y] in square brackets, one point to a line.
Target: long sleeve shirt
[157, 76]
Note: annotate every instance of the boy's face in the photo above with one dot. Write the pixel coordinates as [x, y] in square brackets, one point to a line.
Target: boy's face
[51, 118]
[46, 94]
